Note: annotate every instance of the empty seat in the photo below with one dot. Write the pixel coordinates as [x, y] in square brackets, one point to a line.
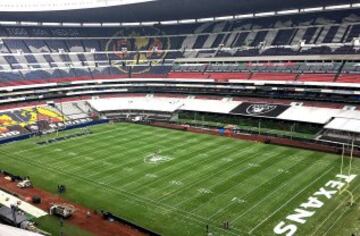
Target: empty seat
[317, 78]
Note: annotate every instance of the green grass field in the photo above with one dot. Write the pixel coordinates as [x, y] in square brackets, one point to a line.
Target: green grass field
[175, 183]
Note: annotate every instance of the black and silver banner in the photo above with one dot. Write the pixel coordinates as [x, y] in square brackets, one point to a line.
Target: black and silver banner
[259, 109]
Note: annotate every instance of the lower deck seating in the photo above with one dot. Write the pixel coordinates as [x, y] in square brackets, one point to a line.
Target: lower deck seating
[28, 116]
[316, 78]
[190, 75]
[149, 76]
[349, 78]
[15, 78]
[71, 110]
[225, 76]
[274, 76]
[216, 76]
[340, 137]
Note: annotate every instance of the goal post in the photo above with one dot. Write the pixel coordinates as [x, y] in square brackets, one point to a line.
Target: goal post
[346, 188]
[351, 156]
[342, 158]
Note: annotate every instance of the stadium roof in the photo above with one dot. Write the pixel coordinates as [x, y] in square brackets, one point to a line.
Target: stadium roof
[144, 10]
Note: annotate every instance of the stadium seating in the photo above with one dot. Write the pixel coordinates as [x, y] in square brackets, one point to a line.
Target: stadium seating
[187, 75]
[28, 116]
[72, 110]
[273, 76]
[38, 55]
[349, 78]
[226, 76]
[316, 78]
[36, 117]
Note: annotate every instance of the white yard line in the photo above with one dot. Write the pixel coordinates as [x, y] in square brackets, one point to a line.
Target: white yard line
[235, 174]
[132, 197]
[334, 223]
[291, 199]
[146, 151]
[230, 189]
[185, 162]
[241, 161]
[96, 162]
[164, 206]
[190, 176]
[330, 214]
[99, 148]
[145, 201]
[94, 137]
[44, 146]
[276, 190]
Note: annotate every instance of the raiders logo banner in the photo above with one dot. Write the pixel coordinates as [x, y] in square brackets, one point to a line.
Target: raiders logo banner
[260, 109]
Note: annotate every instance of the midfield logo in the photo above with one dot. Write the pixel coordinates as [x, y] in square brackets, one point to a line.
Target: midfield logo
[315, 202]
[259, 109]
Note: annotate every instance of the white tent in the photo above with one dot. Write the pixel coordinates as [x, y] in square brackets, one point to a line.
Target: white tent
[344, 124]
[11, 231]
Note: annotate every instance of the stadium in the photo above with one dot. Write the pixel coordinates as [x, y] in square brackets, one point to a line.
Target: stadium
[179, 117]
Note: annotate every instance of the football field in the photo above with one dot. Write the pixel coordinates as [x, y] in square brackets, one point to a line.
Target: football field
[175, 183]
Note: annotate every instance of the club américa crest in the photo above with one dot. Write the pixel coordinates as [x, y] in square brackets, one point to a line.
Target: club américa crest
[129, 41]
